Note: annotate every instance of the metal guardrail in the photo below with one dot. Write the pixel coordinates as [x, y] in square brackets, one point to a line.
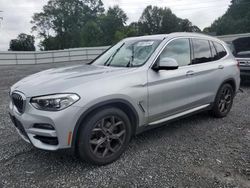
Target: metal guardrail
[55, 56]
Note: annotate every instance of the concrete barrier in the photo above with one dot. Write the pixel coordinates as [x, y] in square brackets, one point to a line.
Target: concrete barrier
[54, 56]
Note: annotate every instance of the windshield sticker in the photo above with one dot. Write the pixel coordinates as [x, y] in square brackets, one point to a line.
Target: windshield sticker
[145, 43]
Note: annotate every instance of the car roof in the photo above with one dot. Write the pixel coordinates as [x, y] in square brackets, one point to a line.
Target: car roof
[149, 37]
[173, 35]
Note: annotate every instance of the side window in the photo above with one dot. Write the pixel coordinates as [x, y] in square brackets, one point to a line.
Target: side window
[202, 53]
[221, 52]
[179, 50]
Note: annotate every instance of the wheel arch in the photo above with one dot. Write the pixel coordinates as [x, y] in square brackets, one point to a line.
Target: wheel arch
[122, 104]
[230, 81]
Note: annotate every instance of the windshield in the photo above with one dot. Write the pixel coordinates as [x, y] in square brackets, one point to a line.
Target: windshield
[132, 53]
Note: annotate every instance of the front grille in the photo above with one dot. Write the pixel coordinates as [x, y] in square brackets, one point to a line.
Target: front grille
[18, 101]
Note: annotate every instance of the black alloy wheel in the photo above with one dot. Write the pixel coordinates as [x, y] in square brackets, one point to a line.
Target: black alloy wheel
[104, 136]
[223, 101]
[108, 136]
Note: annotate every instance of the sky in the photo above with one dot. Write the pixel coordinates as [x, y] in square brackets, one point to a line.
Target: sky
[17, 13]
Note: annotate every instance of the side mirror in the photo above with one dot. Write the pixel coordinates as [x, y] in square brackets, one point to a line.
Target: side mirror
[166, 64]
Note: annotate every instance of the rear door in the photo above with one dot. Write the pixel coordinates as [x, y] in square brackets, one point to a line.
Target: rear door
[207, 70]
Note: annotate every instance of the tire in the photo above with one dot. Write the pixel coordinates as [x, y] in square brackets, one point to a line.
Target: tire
[104, 136]
[223, 101]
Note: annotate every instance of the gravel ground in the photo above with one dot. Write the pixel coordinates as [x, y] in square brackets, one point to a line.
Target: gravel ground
[198, 151]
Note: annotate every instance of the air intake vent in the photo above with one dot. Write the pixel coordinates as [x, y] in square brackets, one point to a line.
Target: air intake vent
[18, 101]
[47, 140]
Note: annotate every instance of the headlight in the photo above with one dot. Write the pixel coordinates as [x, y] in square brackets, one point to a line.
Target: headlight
[54, 102]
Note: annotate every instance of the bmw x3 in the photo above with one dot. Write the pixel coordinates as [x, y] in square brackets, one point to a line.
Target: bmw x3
[137, 84]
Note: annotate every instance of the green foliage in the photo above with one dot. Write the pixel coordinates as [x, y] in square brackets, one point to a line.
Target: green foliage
[235, 20]
[114, 20]
[155, 20]
[65, 20]
[127, 31]
[23, 42]
[91, 34]
[76, 23]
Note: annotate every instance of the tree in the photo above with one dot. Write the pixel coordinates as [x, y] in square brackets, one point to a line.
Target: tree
[155, 20]
[187, 26]
[23, 42]
[127, 31]
[112, 22]
[50, 43]
[151, 20]
[75, 23]
[235, 20]
[65, 20]
[92, 35]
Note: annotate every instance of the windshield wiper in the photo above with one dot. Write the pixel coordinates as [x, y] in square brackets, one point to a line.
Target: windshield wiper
[109, 60]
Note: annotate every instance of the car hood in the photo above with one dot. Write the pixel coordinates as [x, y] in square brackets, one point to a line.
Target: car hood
[62, 79]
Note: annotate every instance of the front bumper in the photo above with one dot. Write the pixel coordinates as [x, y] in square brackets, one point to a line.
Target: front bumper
[57, 137]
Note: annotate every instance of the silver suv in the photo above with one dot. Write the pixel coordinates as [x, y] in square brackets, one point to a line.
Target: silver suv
[137, 84]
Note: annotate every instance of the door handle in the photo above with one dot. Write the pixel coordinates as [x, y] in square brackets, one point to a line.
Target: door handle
[190, 73]
[220, 67]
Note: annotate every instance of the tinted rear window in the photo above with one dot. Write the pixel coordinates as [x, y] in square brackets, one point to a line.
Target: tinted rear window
[221, 52]
[202, 53]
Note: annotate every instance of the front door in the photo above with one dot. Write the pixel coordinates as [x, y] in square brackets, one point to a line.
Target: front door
[172, 91]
